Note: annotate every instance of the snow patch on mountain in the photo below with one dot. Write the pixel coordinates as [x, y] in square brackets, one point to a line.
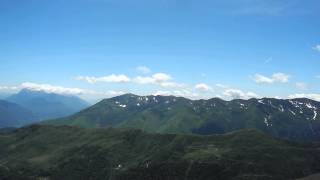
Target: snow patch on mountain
[281, 108]
[261, 101]
[266, 121]
[292, 112]
[314, 108]
[310, 106]
[155, 99]
[315, 114]
[294, 103]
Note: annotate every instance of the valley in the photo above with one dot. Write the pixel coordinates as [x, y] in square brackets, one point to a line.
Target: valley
[65, 152]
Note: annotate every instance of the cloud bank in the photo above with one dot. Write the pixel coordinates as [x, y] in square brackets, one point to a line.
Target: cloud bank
[239, 94]
[113, 78]
[275, 78]
[51, 89]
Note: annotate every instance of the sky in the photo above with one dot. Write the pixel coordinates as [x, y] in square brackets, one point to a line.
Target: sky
[197, 49]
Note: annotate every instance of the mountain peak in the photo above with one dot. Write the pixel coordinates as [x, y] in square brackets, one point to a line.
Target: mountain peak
[48, 105]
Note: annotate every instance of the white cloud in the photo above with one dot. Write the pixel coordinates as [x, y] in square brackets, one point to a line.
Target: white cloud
[239, 94]
[90, 95]
[8, 88]
[113, 78]
[179, 93]
[160, 79]
[203, 87]
[60, 89]
[301, 86]
[315, 97]
[281, 77]
[154, 79]
[95, 96]
[185, 93]
[275, 78]
[162, 93]
[113, 93]
[318, 76]
[258, 78]
[144, 80]
[171, 85]
[51, 89]
[102, 94]
[144, 69]
[252, 95]
[317, 47]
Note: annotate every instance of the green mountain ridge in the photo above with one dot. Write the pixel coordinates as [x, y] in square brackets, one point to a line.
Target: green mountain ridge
[65, 152]
[295, 119]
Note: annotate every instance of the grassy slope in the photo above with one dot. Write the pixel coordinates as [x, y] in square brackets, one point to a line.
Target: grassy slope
[75, 153]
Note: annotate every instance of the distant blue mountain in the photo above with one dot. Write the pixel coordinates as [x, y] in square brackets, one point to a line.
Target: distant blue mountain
[48, 105]
[4, 95]
[13, 115]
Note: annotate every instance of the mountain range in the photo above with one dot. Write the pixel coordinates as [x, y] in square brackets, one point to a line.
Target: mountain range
[65, 152]
[30, 106]
[295, 119]
[166, 137]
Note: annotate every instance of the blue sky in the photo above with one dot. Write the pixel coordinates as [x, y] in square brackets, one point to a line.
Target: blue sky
[198, 49]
